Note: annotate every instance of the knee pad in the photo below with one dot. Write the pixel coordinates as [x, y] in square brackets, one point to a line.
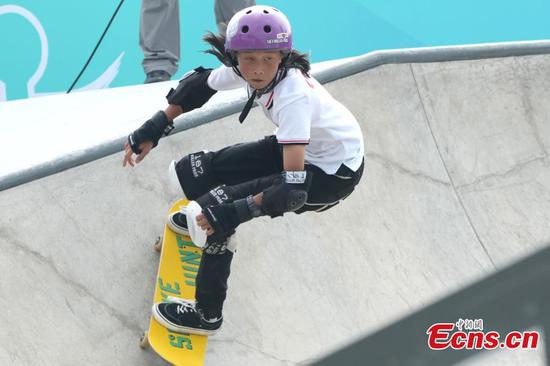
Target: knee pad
[195, 174]
[173, 181]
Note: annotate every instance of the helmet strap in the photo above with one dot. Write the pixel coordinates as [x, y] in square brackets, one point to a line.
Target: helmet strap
[281, 74]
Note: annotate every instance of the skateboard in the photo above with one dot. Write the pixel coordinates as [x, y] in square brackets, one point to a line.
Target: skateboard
[178, 268]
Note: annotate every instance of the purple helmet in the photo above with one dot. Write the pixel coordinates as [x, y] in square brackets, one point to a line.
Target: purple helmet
[258, 27]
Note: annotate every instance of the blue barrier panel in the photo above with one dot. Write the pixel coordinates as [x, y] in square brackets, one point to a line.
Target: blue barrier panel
[44, 44]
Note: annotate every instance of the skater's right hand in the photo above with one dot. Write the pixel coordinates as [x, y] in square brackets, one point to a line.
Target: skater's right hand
[145, 147]
[202, 221]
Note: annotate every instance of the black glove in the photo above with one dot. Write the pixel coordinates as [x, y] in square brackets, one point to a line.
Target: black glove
[152, 130]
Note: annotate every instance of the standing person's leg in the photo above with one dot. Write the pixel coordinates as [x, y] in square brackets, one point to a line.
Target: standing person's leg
[225, 9]
[159, 38]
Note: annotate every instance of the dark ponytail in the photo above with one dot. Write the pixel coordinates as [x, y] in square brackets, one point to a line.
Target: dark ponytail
[300, 61]
[217, 43]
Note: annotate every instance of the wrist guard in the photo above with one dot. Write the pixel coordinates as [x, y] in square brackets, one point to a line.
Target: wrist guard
[152, 130]
[224, 218]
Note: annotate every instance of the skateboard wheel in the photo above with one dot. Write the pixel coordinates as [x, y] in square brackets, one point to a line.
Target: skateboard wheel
[158, 244]
[144, 341]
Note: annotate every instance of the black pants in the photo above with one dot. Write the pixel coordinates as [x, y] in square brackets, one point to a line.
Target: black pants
[250, 168]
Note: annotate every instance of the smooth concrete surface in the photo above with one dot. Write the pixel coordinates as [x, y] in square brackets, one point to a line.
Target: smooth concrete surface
[455, 187]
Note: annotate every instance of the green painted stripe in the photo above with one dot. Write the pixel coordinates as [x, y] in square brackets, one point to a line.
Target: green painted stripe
[190, 283]
[184, 243]
[190, 257]
[190, 269]
[189, 275]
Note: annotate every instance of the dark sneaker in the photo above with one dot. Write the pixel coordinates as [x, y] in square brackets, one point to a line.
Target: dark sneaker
[182, 316]
[156, 76]
[178, 222]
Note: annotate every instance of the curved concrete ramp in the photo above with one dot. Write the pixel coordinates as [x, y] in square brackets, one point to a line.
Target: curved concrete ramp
[455, 187]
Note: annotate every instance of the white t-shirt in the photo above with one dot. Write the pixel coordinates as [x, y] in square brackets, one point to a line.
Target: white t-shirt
[305, 113]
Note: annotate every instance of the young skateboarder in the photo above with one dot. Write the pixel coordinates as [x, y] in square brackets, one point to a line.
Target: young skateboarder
[314, 160]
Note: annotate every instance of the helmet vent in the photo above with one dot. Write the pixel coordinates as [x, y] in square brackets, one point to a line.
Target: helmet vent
[267, 29]
[245, 29]
[266, 12]
[248, 12]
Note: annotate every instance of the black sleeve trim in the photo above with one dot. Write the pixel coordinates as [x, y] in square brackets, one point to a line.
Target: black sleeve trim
[293, 143]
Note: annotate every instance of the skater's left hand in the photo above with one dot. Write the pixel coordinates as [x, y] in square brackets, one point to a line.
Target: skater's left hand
[203, 223]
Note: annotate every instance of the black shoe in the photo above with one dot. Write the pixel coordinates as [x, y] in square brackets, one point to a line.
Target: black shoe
[178, 223]
[183, 316]
[156, 76]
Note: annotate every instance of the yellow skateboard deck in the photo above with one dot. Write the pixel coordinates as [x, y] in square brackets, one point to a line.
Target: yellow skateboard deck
[178, 268]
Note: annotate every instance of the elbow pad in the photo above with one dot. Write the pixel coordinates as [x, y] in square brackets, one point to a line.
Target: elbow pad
[192, 91]
[288, 194]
